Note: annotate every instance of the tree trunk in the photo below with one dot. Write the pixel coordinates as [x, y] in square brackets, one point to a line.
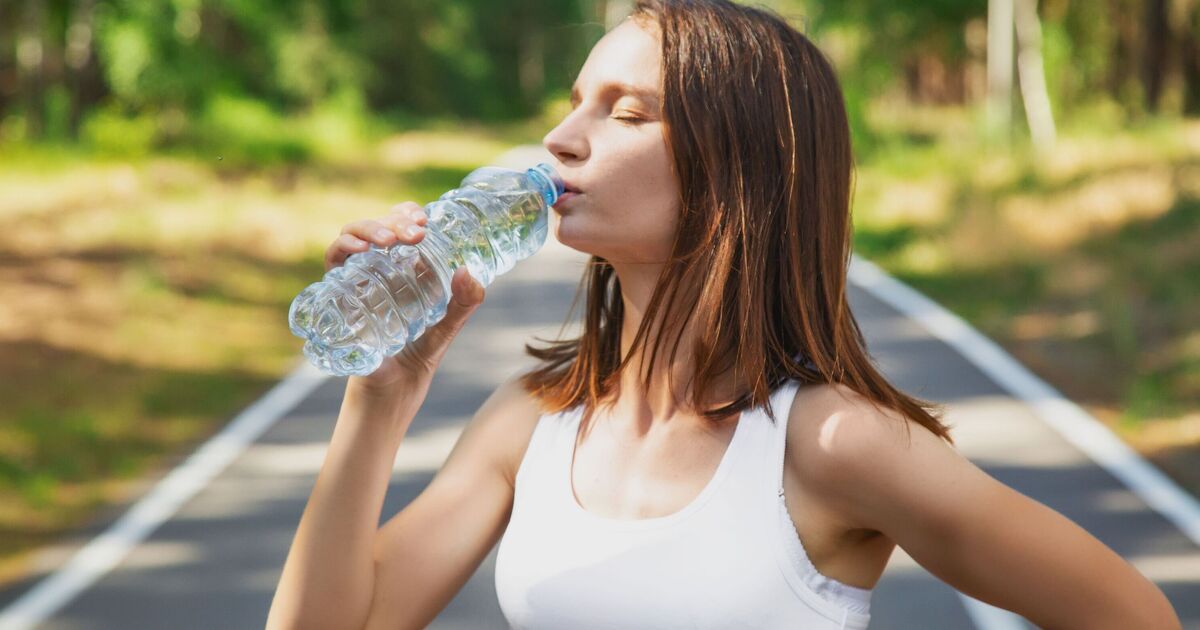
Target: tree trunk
[1189, 50]
[999, 67]
[1123, 65]
[8, 61]
[1157, 41]
[31, 53]
[1033, 76]
[79, 59]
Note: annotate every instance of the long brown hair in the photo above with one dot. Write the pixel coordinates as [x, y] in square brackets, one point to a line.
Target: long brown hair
[760, 140]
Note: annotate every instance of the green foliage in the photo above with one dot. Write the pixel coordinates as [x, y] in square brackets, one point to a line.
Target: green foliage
[241, 129]
[280, 80]
[339, 126]
[126, 51]
[328, 66]
[107, 131]
[895, 30]
[62, 445]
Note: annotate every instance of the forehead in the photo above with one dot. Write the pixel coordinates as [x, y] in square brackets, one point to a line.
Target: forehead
[627, 60]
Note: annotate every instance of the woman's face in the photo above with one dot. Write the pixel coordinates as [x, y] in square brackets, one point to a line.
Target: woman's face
[612, 148]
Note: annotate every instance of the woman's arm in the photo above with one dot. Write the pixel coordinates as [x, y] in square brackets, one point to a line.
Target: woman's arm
[978, 535]
[329, 574]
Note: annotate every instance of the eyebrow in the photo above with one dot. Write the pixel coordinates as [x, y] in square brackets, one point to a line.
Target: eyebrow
[646, 94]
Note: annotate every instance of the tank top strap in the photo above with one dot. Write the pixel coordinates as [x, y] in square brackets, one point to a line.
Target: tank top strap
[781, 405]
[545, 447]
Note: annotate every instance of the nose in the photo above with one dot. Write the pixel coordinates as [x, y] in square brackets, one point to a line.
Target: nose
[566, 142]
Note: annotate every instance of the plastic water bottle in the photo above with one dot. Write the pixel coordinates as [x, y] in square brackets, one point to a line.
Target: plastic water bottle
[383, 298]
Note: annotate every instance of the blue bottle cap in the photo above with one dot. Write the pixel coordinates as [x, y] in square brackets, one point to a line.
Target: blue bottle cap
[548, 180]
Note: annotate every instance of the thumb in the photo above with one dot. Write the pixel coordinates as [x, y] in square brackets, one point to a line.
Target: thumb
[466, 296]
[425, 353]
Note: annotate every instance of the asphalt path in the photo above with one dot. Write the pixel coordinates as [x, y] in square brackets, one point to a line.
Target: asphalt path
[214, 561]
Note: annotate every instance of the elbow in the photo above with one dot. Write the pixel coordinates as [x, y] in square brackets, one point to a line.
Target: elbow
[1152, 613]
[1142, 604]
[1140, 608]
[1157, 618]
[308, 624]
[296, 619]
[1164, 617]
[1157, 611]
[1147, 619]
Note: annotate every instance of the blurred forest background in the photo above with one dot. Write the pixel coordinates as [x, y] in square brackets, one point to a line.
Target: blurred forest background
[171, 172]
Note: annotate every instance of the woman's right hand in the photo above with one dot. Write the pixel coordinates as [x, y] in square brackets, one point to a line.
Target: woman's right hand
[416, 363]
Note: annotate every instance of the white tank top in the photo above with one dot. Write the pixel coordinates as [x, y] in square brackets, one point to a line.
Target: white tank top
[730, 559]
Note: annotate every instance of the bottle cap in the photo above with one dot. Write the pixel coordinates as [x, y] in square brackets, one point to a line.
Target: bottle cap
[548, 180]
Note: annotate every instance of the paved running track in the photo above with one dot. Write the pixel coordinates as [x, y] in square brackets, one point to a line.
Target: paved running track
[216, 561]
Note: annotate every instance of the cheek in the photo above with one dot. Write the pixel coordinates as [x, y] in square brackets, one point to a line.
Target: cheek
[647, 205]
[647, 227]
[645, 181]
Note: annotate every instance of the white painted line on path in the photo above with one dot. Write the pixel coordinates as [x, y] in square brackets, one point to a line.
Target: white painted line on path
[107, 550]
[1068, 419]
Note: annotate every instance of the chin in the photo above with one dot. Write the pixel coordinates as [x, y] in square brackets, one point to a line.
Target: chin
[564, 237]
[573, 239]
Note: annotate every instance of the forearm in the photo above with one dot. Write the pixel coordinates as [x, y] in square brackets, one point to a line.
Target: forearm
[329, 570]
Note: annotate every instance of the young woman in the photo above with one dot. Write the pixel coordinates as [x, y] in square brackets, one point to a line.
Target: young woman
[757, 475]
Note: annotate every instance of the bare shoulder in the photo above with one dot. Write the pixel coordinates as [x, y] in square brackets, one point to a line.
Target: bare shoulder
[852, 454]
[842, 419]
[981, 537]
[506, 421]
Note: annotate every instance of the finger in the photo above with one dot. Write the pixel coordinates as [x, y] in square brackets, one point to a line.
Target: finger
[410, 209]
[401, 224]
[372, 231]
[341, 248]
[388, 230]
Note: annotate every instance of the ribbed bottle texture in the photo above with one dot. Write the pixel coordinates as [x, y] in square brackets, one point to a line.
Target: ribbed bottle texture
[382, 299]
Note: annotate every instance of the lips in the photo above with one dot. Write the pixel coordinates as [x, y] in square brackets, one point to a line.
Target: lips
[570, 191]
[566, 196]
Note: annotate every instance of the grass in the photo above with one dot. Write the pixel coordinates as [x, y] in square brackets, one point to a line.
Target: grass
[143, 300]
[1083, 262]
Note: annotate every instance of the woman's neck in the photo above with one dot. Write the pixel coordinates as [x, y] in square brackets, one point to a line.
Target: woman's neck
[656, 404]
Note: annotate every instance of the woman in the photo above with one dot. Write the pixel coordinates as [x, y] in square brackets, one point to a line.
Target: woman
[759, 478]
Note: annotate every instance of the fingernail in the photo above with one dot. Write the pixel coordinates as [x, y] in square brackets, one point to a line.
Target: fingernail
[412, 230]
[417, 215]
[385, 234]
